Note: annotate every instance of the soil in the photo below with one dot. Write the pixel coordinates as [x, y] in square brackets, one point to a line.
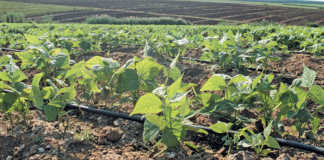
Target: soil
[292, 66]
[201, 10]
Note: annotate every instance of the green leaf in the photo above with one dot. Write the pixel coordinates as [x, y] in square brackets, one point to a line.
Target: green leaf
[110, 63]
[214, 83]
[270, 77]
[267, 131]
[148, 71]
[316, 124]
[175, 88]
[192, 146]
[157, 120]
[308, 77]
[221, 127]
[302, 96]
[272, 142]
[5, 76]
[238, 79]
[19, 86]
[317, 94]
[150, 132]
[127, 81]
[48, 92]
[64, 96]
[289, 97]
[27, 58]
[169, 139]
[32, 39]
[174, 61]
[256, 81]
[174, 73]
[61, 60]
[50, 112]
[205, 99]
[148, 104]
[96, 60]
[148, 50]
[8, 100]
[85, 44]
[18, 76]
[36, 92]
[3, 85]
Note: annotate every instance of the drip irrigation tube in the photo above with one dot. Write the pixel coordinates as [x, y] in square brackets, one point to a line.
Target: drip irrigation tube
[141, 119]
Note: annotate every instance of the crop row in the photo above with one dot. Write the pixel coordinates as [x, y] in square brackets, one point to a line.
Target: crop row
[154, 83]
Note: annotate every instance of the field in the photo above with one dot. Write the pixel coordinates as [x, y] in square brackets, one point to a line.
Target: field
[34, 9]
[206, 92]
[284, 3]
[195, 11]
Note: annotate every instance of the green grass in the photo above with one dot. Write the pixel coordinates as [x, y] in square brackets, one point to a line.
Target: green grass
[136, 20]
[30, 9]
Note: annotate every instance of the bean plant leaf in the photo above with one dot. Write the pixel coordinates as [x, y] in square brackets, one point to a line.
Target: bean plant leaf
[256, 81]
[289, 97]
[157, 121]
[302, 96]
[308, 77]
[214, 83]
[64, 96]
[127, 81]
[169, 139]
[221, 127]
[267, 130]
[317, 94]
[175, 88]
[148, 70]
[150, 132]
[61, 60]
[272, 142]
[238, 79]
[174, 73]
[4, 76]
[36, 92]
[27, 58]
[96, 60]
[48, 92]
[50, 112]
[148, 104]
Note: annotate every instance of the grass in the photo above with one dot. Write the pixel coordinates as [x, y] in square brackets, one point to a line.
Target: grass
[30, 9]
[136, 20]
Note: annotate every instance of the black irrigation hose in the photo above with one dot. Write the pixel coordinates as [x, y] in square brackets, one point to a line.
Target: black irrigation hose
[11, 50]
[141, 119]
[136, 118]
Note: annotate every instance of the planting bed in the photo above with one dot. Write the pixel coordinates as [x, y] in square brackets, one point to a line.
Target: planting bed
[79, 60]
[113, 138]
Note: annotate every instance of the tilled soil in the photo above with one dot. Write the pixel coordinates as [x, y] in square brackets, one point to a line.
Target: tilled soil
[183, 9]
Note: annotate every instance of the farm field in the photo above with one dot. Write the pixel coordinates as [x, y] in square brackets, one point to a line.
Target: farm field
[194, 11]
[283, 3]
[206, 92]
[35, 9]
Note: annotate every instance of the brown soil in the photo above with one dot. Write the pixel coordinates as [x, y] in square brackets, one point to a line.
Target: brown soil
[292, 66]
[202, 10]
